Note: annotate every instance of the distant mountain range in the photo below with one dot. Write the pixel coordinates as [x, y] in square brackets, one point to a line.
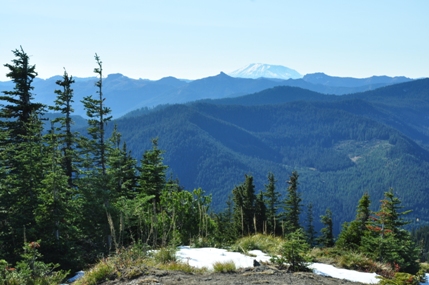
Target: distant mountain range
[258, 70]
[124, 94]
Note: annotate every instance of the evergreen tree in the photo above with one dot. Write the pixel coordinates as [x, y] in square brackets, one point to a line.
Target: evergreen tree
[152, 179]
[18, 108]
[98, 115]
[292, 204]
[93, 180]
[57, 210]
[272, 201]
[22, 155]
[151, 182]
[327, 236]
[352, 233]
[311, 232]
[386, 240]
[225, 231]
[260, 217]
[67, 140]
[21, 187]
[244, 206]
[121, 168]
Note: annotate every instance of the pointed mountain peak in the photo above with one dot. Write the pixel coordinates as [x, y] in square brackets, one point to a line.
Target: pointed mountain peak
[257, 70]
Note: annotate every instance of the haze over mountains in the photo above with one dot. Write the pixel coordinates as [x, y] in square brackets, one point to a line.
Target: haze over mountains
[124, 94]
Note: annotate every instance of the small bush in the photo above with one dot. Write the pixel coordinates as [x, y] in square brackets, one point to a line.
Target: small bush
[30, 270]
[294, 252]
[224, 267]
[402, 278]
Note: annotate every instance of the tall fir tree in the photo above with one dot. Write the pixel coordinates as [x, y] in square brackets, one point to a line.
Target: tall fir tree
[292, 204]
[152, 177]
[326, 237]
[67, 139]
[386, 240]
[121, 168]
[22, 156]
[151, 182]
[351, 235]
[58, 210]
[93, 180]
[99, 116]
[18, 108]
[260, 216]
[244, 206]
[272, 200]
[310, 231]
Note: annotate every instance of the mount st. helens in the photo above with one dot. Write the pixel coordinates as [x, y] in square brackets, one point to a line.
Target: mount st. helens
[258, 70]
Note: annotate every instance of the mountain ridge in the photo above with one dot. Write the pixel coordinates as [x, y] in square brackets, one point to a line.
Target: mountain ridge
[124, 94]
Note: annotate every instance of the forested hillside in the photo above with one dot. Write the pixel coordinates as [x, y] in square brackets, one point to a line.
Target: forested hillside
[341, 146]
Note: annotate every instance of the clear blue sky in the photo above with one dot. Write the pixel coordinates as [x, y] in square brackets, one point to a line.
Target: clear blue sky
[199, 38]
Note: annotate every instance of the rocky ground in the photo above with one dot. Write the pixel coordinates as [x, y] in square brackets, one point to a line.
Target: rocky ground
[257, 275]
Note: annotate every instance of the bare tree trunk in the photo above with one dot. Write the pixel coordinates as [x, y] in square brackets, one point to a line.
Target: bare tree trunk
[254, 223]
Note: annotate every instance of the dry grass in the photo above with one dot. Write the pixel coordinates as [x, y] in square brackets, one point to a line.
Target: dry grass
[266, 243]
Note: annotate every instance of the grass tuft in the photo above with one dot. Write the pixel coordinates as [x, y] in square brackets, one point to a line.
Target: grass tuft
[102, 271]
[266, 243]
[165, 255]
[224, 267]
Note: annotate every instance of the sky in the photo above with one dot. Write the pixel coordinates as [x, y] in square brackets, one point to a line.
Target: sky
[151, 39]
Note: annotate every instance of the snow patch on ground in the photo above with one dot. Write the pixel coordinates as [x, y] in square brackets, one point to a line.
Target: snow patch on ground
[206, 257]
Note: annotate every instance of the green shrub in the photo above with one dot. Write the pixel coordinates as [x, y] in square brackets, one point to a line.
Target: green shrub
[294, 252]
[402, 278]
[30, 270]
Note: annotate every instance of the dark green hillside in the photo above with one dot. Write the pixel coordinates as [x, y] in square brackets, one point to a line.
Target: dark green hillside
[407, 104]
[275, 95]
[339, 155]
[403, 106]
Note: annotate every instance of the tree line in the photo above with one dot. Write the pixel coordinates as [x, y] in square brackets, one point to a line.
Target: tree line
[84, 196]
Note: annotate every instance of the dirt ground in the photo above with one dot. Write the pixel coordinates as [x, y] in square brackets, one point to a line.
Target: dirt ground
[257, 275]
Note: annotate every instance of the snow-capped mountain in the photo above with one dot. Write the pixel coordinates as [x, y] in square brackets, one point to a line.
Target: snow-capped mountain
[257, 70]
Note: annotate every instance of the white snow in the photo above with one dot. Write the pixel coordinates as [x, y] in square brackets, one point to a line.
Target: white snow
[257, 70]
[340, 273]
[205, 257]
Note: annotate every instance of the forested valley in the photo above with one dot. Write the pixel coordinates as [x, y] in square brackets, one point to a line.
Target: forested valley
[290, 168]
